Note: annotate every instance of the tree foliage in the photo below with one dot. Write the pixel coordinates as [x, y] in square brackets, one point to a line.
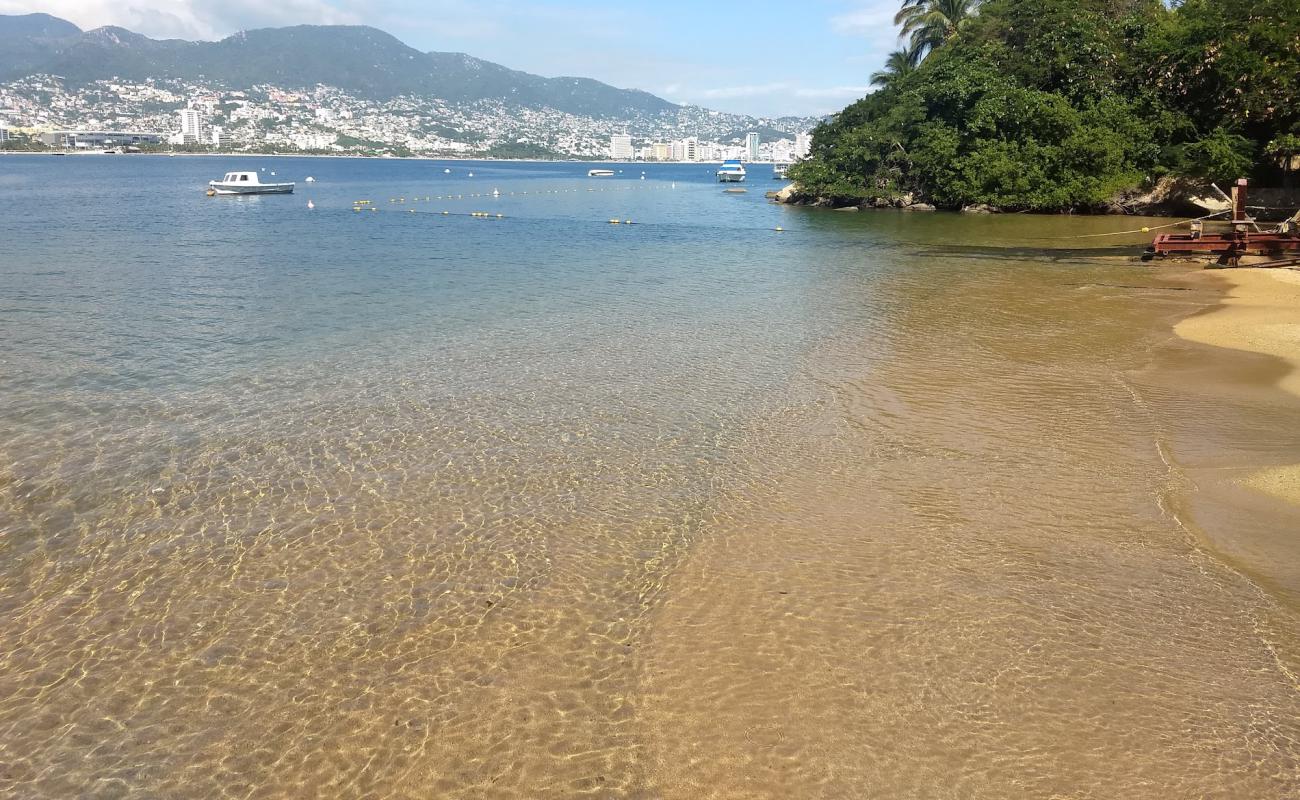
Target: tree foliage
[1051, 105]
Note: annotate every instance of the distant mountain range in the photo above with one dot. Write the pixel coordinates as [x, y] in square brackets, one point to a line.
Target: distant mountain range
[361, 60]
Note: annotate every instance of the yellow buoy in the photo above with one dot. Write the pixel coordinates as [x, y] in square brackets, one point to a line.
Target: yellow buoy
[1146, 230]
[778, 230]
[613, 222]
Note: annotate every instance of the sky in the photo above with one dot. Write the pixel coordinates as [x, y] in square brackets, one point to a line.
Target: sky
[761, 57]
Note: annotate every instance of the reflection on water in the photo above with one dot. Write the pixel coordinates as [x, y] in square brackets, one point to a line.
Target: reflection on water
[396, 506]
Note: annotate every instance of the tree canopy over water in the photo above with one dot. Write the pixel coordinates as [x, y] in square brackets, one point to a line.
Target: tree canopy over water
[1062, 104]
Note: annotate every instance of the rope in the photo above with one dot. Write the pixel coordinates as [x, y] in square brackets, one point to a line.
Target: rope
[1146, 229]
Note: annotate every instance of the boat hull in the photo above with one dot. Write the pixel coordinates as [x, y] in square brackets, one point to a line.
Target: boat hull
[257, 188]
[728, 177]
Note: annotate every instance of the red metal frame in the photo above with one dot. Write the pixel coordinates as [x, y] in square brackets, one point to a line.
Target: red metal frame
[1245, 238]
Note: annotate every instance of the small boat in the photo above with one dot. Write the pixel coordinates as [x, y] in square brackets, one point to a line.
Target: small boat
[247, 183]
[600, 173]
[779, 171]
[732, 171]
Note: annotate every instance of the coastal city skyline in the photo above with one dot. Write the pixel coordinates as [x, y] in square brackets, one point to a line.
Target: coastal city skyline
[121, 114]
[670, 49]
[109, 88]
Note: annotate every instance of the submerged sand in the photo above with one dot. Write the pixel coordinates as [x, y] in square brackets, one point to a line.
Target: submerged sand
[979, 532]
[1001, 574]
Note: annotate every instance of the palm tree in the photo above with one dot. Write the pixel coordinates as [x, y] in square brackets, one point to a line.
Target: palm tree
[899, 64]
[930, 23]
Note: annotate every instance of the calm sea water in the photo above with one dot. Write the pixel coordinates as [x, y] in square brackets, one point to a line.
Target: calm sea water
[323, 502]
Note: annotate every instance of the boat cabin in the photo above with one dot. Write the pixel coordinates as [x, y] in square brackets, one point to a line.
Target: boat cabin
[240, 177]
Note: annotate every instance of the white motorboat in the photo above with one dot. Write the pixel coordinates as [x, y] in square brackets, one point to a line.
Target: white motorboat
[600, 173]
[247, 183]
[732, 171]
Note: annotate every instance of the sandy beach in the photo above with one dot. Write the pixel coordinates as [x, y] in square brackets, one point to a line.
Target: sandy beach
[1261, 314]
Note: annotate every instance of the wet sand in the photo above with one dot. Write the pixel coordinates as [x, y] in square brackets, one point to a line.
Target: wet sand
[1261, 314]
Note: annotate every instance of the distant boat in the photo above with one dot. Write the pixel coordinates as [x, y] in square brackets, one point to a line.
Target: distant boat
[732, 171]
[600, 173]
[247, 183]
[779, 171]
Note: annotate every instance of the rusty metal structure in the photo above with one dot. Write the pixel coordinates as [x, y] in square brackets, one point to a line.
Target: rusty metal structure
[1280, 246]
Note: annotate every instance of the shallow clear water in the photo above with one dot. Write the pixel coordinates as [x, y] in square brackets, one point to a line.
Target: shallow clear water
[378, 503]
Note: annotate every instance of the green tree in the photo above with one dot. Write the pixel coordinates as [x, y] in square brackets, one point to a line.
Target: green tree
[1220, 156]
[1285, 148]
[898, 65]
[928, 24]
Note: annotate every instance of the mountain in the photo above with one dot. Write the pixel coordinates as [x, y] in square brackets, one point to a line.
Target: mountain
[358, 59]
[27, 40]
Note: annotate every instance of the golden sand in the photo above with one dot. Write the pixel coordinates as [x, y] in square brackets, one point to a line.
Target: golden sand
[1261, 314]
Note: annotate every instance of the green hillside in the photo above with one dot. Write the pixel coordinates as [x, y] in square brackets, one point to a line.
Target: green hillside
[358, 59]
[1051, 105]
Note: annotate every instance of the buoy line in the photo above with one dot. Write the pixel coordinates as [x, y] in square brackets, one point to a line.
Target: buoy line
[619, 221]
[497, 194]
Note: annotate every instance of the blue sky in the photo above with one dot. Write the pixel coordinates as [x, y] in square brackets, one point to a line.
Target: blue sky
[758, 57]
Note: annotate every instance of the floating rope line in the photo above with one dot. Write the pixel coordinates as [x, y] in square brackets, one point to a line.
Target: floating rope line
[1144, 229]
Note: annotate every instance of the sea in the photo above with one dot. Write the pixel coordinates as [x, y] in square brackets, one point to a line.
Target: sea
[492, 479]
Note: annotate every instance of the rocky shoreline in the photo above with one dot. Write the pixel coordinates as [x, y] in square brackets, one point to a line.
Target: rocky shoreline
[1168, 197]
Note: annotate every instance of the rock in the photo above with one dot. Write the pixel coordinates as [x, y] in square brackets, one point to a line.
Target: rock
[918, 207]
[1169, 196]
[979, 208]
[788, 194]
[847, 208]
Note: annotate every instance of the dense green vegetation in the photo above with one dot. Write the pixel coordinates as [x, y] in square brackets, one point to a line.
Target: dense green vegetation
[507, 150]
[1061, 104]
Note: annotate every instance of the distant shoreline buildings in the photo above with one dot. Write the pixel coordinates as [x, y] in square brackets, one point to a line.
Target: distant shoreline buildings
[197, 116]
[692, 149]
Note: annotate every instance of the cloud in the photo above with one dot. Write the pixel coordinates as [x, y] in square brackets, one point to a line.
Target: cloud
[869, 19]
[732, 92]
[189, 19]
[833, 91]
[782, 88]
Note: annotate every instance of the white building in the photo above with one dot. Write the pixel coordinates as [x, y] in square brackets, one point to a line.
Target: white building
[802, 145]
[751, 146]
[684, 150]
[4, 131]
[191, 125]
[219, 137]
[620, 147]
